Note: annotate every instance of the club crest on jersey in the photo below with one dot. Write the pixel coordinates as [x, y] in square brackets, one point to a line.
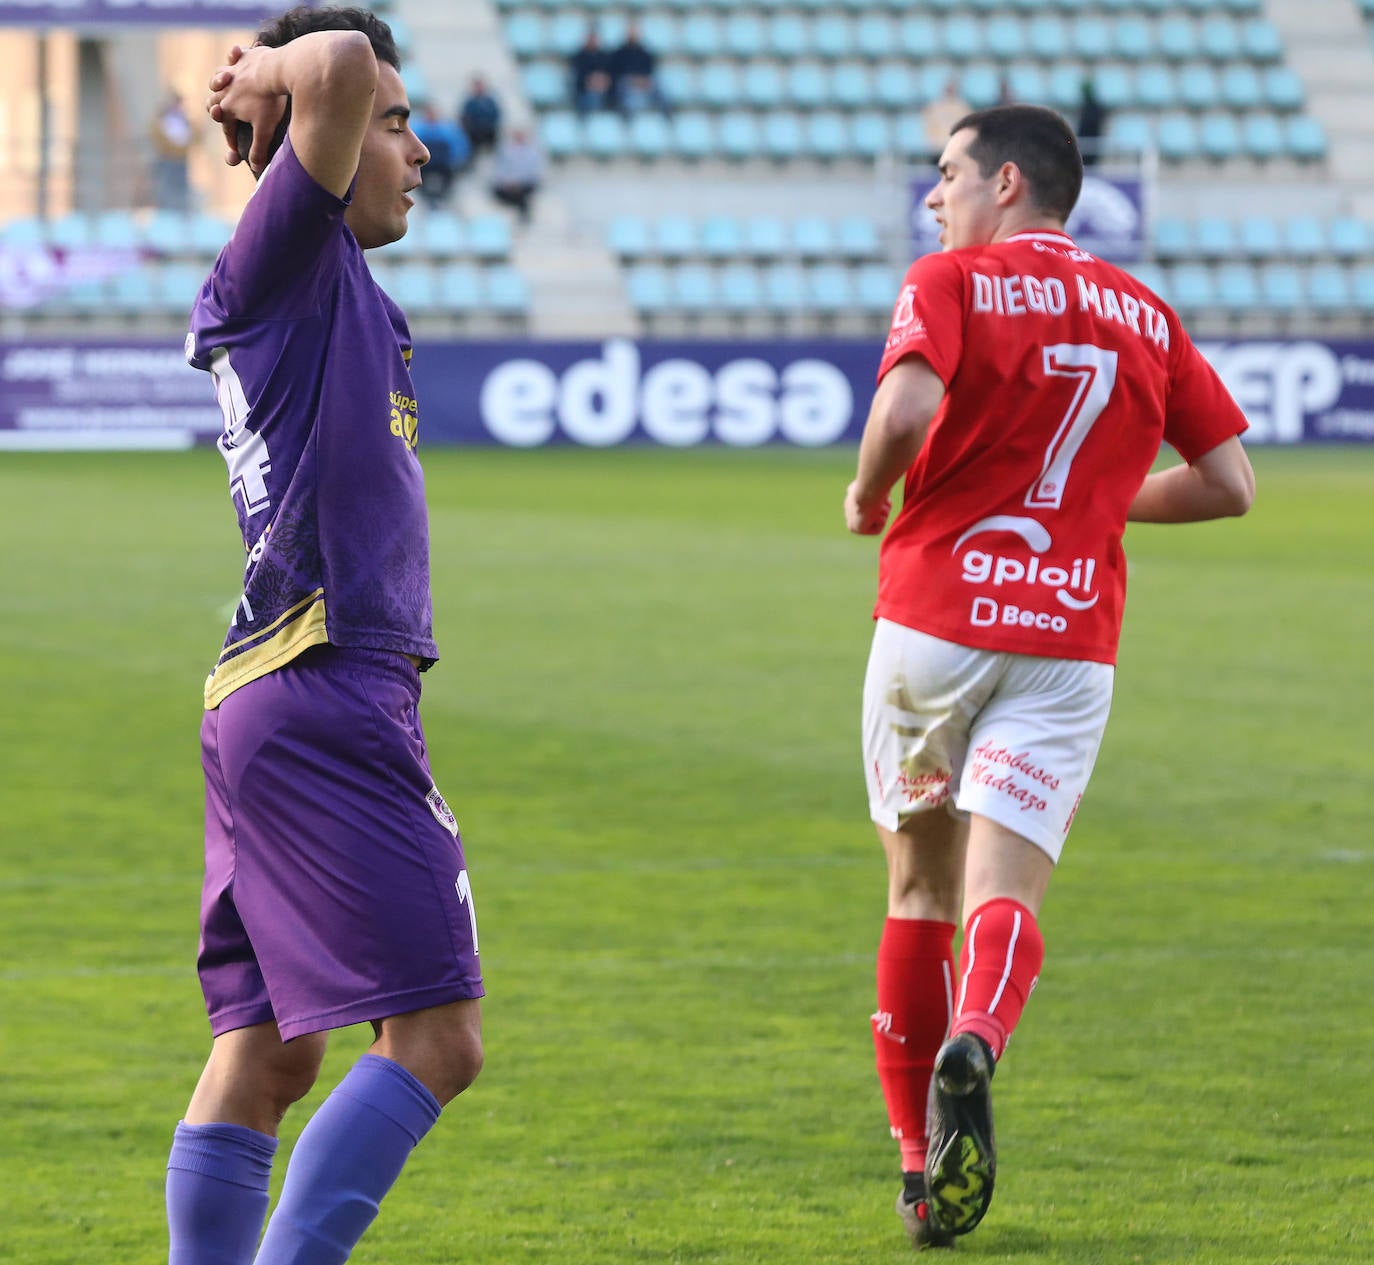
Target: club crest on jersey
[443, 814]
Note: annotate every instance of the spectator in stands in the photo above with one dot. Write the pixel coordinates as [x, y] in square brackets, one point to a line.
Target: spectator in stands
[940, 116]
[517, 170]
[171, 134]
[592, 83]
[1092, 119]
[480, 116]
[633, 66]
[449, 152]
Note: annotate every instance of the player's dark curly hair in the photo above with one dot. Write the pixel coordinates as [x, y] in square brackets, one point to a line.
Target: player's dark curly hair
[1039, 142]
[303, 20]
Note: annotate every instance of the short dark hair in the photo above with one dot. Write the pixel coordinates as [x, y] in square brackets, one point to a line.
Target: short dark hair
[303, 20]
[1039, 142]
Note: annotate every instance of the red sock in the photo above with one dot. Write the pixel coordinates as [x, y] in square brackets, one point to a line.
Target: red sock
[1000, 962]
[915, 1001]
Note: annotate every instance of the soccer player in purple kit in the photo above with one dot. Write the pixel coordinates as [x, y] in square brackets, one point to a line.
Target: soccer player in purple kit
[336, 890]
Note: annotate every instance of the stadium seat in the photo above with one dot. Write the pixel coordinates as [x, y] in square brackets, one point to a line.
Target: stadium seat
[765, 237]
[1177, 137]
[175, 286]
[1026, 82]
[849, 86]
[1004, 37]
[875, 36]
[1152, 277]
[1306, 138]
[1259, 237]
[71, 231]
[737, 135]
[116, 230]
[1350, 237]
[1047, 37]
[856, 238]
[131, 292]
[167, 233]
[762, 86]
[832, 36]
[1241, 87]
[1218, 39]
[207, 233]
[675, 237]
[647, 288]
[875, 289]
[1214, 237]
[813, 237]
[827, 137]
[1237, 289]
[1173, 238]
[629, 237]
[962, 38]
[808, 85]
[1261, 137]
[788, 37]
[702, 36]
[694, 289]
[459, 289]
[718, 85]
[1283, 89]
[1130, 132]
[677, 80]
[563, 32]
[783, 136]
[1092, 39]
[1113, 85]
[981, 85]
[414, 287]
[746, 35]
[1304, 237]
[545, 84]
[1282, 288]
[604, 136]
[489, 237]
[895, 87]
[1191, 287]
[1176, 38]
[739, 289]
[508, 293]
[662, 33]
[784, 288]
[1260, 41]
[693, 135]
[1219, 137]
[525, 35]
[561, 134]
[1155, 88]
[1362, 289]
[1133, 38]
[1197, 87]
[1064, 87]
[720, 237]
[870, 134]
[650, 136]
[918, 37]
[442, 235]
[1328, 287]
[829, 289]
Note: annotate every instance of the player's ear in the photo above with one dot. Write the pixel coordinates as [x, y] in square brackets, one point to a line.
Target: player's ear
[244, 139]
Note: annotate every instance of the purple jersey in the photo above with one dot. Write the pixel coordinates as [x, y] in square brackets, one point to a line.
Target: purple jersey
[310, 361]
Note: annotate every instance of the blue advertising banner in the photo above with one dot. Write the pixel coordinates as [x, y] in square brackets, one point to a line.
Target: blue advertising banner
[1109, 220]
[141, 394]
[113, 13]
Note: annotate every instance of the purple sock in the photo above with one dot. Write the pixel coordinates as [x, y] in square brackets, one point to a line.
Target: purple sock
[347, 1158]
[217, 1177]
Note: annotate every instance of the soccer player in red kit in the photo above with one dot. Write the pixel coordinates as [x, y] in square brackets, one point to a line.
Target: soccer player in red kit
[1024, 393]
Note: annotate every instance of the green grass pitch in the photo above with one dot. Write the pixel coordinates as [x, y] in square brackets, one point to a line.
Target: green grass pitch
[646, 720]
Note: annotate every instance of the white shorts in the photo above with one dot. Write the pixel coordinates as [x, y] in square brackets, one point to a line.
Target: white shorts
[1008, 736]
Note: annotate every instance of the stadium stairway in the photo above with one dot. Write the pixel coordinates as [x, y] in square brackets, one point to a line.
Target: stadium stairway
[1325, 43]
[575, 284]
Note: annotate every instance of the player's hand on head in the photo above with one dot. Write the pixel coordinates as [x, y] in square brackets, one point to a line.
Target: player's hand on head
[865, 520]
[242, 92]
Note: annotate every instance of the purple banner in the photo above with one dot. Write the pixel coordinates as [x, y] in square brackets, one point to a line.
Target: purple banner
[31, 274]
[1109, 220]
[138, 394]
[109, 13]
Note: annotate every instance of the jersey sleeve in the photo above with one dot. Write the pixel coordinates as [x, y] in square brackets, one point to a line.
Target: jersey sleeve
[1199, 412]
[929, 317]
[287, 246]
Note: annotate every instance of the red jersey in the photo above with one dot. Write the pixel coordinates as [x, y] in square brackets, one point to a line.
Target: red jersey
[1062, 375]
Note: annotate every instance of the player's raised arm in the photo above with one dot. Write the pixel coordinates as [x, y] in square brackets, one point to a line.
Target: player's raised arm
[329, 80]
[904, 405]
[1218, 484]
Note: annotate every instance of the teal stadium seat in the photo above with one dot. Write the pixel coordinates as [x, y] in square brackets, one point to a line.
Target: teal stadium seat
[1191, 287]
[762, 86]
[1177, 137]
[459, 289]
[1214, 237]
[1114, 86]
[604, 136]
[1198, 88]
[1262, 136]
[718, 85]
[737, 136]
[72, 231]
[1362, 289]
[784, 288]
[176, 285]
[1026, 81]
[545, 84]
[783, 135]
[1306, 138]
[1260, 237]
[563, 32]
[662, 33]
[850, 88]
[1130, 132]
[508, 293]
[629, 238]
[829, 289]
[1172, 238]
[1133, 38]
[525, 35]
[788, 37]
[1219, 40]
[677, 80]
[167, 232]
[739, 289]
[981, 85]
[1155, 87]
[1176, 38]
[746, 35]
[808, 85]
[871, 134]
[962, 38]
[1237, 289]
[675, 237]
[1304, 237]
[875, 36]
[1328, 288]
[832, 37]
[207, 233]
[650, 136]
[414, 287]
[1241, 87]
[443, 235]
[1047, 37]
[1283, 89]
[131, 292]
[489, 237]
[702, 36]
[560, 134]
[693, 135]
[895, 87]
[1282, 288]
[813, 237]
[648, 290]
[1350, 237]
[856, 238]
[765, 237]
[694, 289]
[1218, 136]
[116, 230]
[875, 289]
[827, 137]
[720, 237]
[1152, 277]
[1004, 37]
[1260, 41]
[918, 37]
[1092, 38]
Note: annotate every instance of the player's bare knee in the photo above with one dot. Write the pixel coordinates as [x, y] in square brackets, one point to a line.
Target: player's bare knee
[292, 1069]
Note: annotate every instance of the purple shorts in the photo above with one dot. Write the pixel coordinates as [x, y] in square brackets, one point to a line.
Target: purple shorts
[335, 886]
